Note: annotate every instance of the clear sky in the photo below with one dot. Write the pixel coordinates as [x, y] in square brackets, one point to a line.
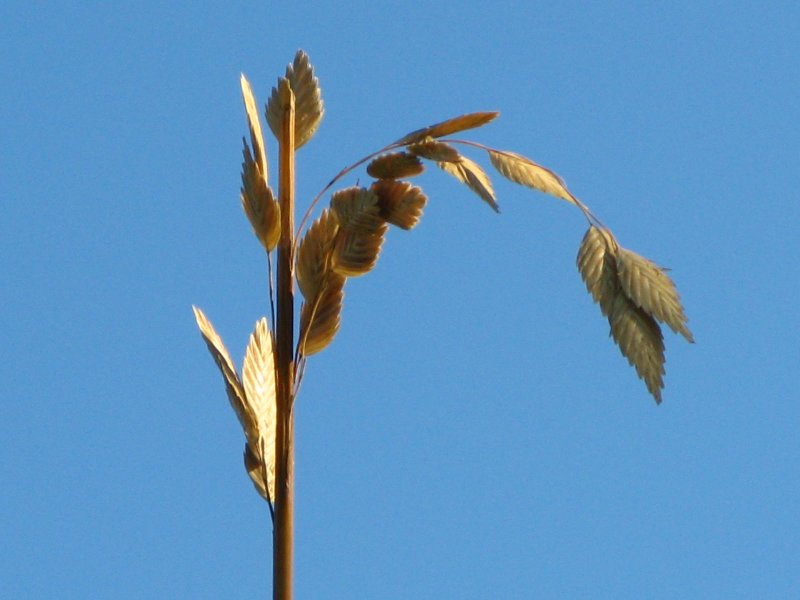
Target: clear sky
[472, 432]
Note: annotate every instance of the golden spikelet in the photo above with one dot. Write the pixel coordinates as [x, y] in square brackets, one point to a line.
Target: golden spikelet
[471, 174]
[233, 385]
[361, 231]
[314, 254]
[524, 171]
[598, 268]
[308, 107]
[640, 341]
[357, 253]
[454, 125]
[320, 317]
[258, 203]
[395, 165]
[357, 210]
[258, 377]
[254, 124]
[433, 150]
[649, 287]
[399, 202]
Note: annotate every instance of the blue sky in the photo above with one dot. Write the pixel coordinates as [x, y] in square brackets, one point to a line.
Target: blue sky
[472, 432]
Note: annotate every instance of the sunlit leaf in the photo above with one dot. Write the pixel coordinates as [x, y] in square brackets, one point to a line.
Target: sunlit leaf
[524, 171]
[471, 174]
[454, 125]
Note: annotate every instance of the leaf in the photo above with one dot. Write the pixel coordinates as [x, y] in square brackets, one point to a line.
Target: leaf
[640, 340]
[399, 202]
[314, 254]
[259, 204]
[395, 165]
[524, 171]
[308, 106]
[357, 210]
[454, 125]
[649, 287]
[219, 353]
[320, 318]
[598, 267]
[254, 124]
[258, 377]
[433, 150]
[471, 174]
[357, 253]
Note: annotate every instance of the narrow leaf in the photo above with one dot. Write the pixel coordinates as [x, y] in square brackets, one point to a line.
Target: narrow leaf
[258, 377]
[471, 174]
[454, 125]
[524, 171]
[649, 287]
[233, 385]
[309, 107]
[400, 203]
[640, 340]
[254, 124]
[395, 165]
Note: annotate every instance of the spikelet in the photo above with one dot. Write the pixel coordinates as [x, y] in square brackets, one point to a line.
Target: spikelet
[255, 469]
[233, 385]
[258, 203]
[308, 107]
[632, 292]
[361, 231]
[320, 318]
[471, 174]
[433, 150]
[454, 125]
[524, 171]
[598, 267]
[395, 165]
[258, 377]
[399, 202]
[314, 254]
[640, 341]
[649, 287]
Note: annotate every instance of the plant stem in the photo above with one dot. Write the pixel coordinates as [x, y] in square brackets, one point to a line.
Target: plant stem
[283, 533]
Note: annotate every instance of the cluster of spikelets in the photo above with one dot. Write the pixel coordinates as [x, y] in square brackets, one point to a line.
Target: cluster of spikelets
[346, 239]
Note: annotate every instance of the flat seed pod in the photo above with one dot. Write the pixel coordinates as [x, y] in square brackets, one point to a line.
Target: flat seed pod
[399, 202]
[314, 254]
[254, 124]
[258, 378]
[233, 385]
[395, 165]
[308, 106]
[649, 287]
[433, 150]
[357, 210]
[454, 125]
[598, 267]
[320, 319]
[640, 340]
[259, 204]
[357, 253]
[524, 171]
[470, 173]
